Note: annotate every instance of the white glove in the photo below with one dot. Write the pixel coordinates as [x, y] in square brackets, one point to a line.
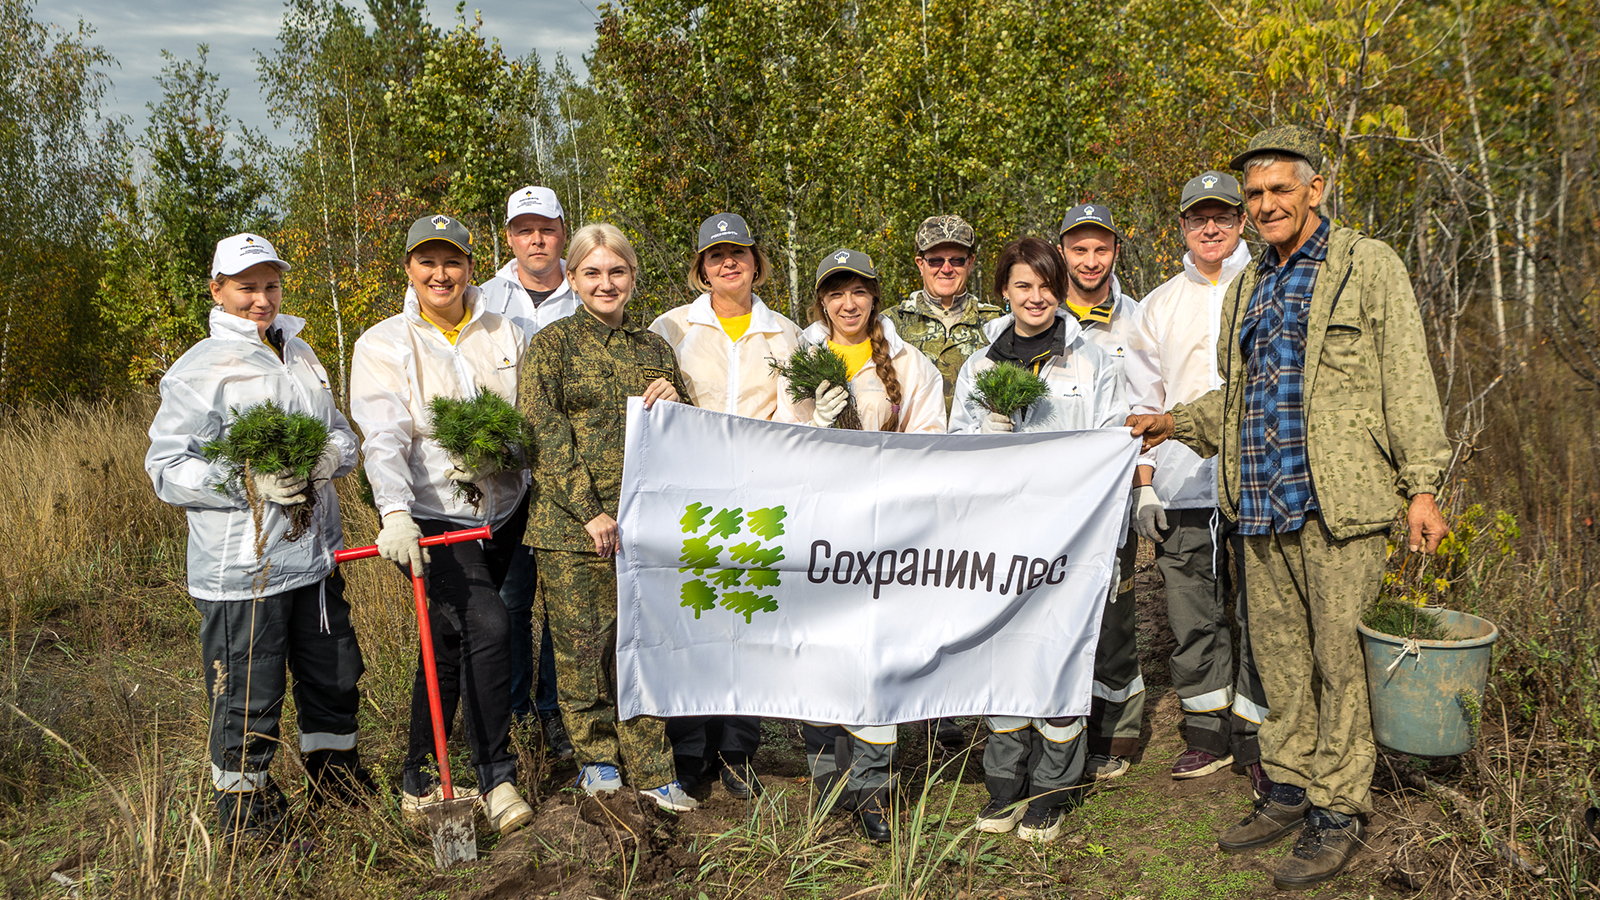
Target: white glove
[462, 473]
[1149, 516]
[397, 541]
[830, 402]
[327, 463]
[281, 488]
[994, 423]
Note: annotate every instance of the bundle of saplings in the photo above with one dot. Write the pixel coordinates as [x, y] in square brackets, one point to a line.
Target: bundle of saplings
[1006, 387]
[265, 440]
[485, 433]
[1406, 620]
[810, 366]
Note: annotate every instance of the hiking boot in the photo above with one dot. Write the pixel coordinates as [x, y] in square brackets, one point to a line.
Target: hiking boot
[1198, 763]
[505, 809]
[670, 797]
[741, 782]
[949, 738]
[597, 777]
[1260, 784]
[259, 815]
[1041, 823]
[337, 776]
[875, 822]
[555, 736]
[1267, 823]
[1000, 816]
[1101, 767]
[1320, 852]
[411, 804]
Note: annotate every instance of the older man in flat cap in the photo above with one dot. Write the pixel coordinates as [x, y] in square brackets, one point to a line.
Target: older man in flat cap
[1327, 427]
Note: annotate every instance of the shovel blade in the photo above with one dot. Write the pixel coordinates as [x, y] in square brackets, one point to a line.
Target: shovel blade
[451, 824]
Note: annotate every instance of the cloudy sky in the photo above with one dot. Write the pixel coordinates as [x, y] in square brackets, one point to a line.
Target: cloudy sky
[135, 32]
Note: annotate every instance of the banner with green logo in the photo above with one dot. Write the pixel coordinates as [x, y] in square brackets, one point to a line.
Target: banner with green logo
[861, 577]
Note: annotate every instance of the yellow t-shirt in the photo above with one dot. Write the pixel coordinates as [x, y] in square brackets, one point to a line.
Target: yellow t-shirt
[450, 334]
[855, 355]
[735, 326]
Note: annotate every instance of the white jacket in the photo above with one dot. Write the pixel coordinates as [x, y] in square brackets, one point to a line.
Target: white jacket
[728, 376]
[1173, 359]
[399, 365]
[921, 387]
[1086, 388]
[233, 369]
[505, 296]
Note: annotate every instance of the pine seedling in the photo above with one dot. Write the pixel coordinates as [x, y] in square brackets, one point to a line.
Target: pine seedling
[1007, 387]
[810, 366]
[265, 439]
[1404, 620]
[481, 431]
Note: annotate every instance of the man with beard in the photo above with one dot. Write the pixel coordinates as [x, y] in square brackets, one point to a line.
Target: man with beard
[1090, 242]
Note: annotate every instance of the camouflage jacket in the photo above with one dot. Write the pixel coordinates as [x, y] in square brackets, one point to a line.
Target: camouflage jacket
[576, 381]
[947, 347]
[1375, 435]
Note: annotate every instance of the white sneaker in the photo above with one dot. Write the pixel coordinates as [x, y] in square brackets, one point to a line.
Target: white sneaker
[505, 809]
[411, 804]
[671, 797]
[1000, 816]
[1102, 767]
[597, 777]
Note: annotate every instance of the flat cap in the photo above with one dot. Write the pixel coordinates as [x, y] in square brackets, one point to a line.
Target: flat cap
[1290, 139]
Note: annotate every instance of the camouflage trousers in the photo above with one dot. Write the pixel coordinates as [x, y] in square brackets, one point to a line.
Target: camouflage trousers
[1307, 593]
[1117, 711]
[580, 592]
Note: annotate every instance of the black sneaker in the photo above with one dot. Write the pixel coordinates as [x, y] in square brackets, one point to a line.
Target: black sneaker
[555, 736]
[1041, 823]
[1000, 816]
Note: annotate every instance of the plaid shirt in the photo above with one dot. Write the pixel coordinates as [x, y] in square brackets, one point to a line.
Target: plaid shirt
[1277, 492]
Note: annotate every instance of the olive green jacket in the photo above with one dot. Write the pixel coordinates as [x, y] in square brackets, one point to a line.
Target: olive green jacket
[947, 347]
[576, 381]
[1374, 433]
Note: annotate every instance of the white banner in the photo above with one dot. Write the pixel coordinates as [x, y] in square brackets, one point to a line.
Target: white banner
[863, 578]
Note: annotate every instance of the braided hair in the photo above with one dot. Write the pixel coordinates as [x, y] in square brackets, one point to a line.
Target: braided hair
[880, 346]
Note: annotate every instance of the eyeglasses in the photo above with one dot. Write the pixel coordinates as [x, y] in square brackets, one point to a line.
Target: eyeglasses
[1225, 221]
[937, 262]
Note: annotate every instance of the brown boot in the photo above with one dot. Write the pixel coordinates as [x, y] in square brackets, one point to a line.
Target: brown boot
[1320, 852]
[1266, 824]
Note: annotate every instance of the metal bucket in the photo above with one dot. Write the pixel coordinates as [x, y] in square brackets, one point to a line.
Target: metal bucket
[1427, 695]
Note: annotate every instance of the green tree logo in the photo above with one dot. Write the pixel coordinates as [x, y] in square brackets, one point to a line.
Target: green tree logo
[751, 562]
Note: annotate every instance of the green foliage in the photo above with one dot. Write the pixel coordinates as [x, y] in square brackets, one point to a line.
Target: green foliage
[266, 440]
[805, 371]
[484, 431]
[1006, 388]
[1405, 620]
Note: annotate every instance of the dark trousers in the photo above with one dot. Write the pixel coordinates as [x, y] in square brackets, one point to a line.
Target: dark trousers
[533, 678]
[713, 740]
[247, 646]
[472, 648]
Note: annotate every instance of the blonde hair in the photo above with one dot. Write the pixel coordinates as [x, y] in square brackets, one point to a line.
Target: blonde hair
[601, 235]
[696, 275]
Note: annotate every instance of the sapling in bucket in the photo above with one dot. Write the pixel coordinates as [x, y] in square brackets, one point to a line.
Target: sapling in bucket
[1006, 388]
[485, 433]
[263, 439]
[807, 368]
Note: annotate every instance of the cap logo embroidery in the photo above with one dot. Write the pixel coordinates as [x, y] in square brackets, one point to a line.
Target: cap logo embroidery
[440, 222]
[1088, 210]
[249, 240]
[1210, 181]
[843, 257]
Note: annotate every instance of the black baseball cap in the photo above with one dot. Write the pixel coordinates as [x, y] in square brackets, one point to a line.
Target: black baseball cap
[1089, 214]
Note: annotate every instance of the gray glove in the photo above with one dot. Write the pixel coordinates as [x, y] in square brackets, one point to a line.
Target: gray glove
[830, 402]
[397, 541]
[327, 463]
[1149, 516]
[281, 488]
[994, 423]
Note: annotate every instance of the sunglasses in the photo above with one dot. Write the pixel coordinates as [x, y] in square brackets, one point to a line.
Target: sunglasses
[937, 262]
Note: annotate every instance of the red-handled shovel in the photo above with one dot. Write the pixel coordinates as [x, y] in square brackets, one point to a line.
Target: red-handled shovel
[449, 821]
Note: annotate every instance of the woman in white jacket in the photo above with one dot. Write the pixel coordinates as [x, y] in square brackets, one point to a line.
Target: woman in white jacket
[896, 388]
[281, 606]
[1040, 760]
[445, 344]
[722, 342]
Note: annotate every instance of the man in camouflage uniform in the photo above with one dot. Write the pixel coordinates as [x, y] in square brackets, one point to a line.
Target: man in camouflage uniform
[574, 390]
[1326, 427]
[944, 320]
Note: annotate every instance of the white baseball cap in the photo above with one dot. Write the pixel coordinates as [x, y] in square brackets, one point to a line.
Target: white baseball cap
[240, 252]
[533, 200]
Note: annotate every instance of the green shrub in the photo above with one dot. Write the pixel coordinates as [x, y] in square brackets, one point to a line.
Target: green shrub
[1008, 387]
[481, 432]
[807, 368]
[264, 439]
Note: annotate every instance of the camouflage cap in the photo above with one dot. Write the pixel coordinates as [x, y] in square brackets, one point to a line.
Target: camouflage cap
[936, 230]
[1290, 139]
